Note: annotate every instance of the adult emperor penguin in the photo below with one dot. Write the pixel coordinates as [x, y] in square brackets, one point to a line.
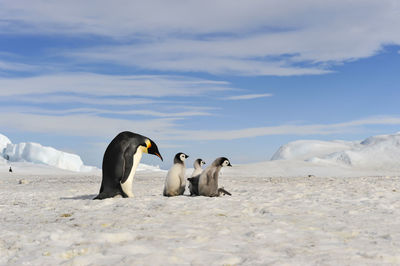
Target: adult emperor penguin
[194, 178]
[120, 161]
[208, 181]
[175, 181]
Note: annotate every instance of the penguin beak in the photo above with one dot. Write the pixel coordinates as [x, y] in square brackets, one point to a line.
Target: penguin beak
[159, 156]
[229, 164]
[153, 149]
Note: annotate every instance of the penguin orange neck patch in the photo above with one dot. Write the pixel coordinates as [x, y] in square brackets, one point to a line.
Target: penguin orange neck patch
[148, 143]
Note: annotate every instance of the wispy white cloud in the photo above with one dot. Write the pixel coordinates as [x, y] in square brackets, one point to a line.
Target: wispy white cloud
[8, 65]
[82, 125]
[299, 130]
[168, 129]
[105, 111]
[258, 38]
[111, 85]
[137, 96]
[248, 96]
[186, 56]
[83, 99]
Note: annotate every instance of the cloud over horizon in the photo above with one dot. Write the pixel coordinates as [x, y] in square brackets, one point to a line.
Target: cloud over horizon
[168, 128]
[246, 38]
[248, 96]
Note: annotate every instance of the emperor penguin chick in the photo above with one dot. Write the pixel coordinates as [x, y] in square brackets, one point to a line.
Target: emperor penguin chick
[194, 178]
[208, 181]
[175, 182]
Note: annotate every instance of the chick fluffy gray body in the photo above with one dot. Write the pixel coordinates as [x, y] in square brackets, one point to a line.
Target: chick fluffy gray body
[208, 180]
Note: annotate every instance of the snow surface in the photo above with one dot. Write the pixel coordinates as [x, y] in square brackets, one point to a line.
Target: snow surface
[281, 212]
[50, 219]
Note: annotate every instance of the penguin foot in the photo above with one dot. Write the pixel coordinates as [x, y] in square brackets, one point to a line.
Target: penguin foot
[100, 196]
[222, 191]
[106, 195]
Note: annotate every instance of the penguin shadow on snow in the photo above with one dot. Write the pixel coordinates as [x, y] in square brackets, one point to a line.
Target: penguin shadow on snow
[81, 197]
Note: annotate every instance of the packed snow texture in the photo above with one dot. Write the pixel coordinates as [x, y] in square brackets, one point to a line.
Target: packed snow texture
[281, 212]
[51, 219]
[378, 152]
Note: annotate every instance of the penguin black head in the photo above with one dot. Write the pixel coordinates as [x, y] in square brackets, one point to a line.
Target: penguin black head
[199, 162]
[151, 148]
[222, 161]
[180, 157]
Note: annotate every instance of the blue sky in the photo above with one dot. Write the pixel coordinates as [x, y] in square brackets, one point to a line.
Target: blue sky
[209, 78]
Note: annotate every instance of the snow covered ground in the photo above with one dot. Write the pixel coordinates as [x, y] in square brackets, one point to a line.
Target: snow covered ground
[293, 211]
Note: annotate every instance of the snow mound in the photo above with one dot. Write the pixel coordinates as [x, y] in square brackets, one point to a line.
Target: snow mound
[306, 149]
[377, 152]
[146, 167]
[36, 153]
[4, 141]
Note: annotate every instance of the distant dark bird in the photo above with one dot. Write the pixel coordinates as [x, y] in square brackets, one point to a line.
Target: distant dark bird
[10, 170]
[120, 161]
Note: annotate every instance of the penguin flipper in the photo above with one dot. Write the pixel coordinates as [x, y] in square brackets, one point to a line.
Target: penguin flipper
[194, 188]
[194, 180]
[209, 177]
[128, 163]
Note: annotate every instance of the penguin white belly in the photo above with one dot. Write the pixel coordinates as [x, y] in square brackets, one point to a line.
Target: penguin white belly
[127, 185]
[183, 179]
[173, 181]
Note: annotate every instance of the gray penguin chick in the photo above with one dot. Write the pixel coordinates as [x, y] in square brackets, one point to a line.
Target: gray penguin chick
[208, 181]
[194, 178]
